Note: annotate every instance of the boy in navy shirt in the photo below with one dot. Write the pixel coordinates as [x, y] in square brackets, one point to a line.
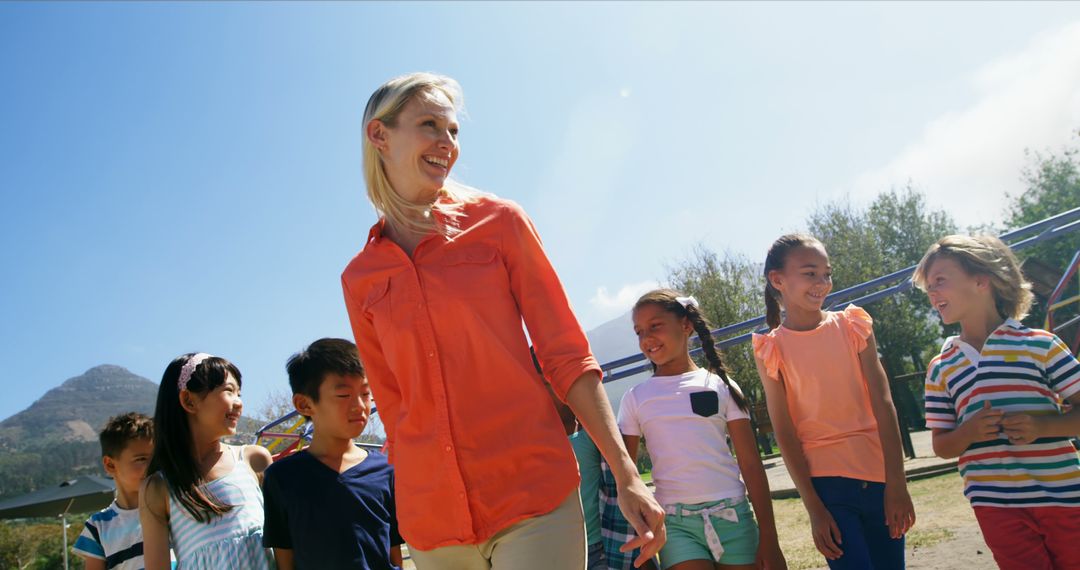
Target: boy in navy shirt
[332, 504]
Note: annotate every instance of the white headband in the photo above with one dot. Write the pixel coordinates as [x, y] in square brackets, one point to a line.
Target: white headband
[189, 369]
[686, 302]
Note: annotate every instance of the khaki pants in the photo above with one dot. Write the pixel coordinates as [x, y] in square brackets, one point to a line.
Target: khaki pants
[554, 541]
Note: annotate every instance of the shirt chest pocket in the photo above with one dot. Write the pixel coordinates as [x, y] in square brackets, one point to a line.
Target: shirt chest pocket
[473, 271]
[377, 307]
[705, 404]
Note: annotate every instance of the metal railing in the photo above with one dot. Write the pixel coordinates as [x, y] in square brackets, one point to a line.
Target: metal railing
[895, 282]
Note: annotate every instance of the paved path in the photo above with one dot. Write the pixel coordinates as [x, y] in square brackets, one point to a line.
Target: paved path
[925, 463]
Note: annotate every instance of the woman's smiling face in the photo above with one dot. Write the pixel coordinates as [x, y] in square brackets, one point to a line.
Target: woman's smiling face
[420, 148]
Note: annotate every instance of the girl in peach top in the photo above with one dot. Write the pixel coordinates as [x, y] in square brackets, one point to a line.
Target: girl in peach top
[829, 402]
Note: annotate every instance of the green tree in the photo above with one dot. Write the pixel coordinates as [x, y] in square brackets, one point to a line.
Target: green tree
[891, 234]
[1053, 187]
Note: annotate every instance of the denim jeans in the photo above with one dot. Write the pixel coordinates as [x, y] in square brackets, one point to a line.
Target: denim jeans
[858, 507]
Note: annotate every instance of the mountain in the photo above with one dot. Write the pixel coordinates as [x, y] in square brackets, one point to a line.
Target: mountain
[77, 409]
[56, 437]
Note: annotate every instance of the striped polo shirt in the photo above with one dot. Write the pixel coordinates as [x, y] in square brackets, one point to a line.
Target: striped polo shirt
[114, 536]
[1018, 370]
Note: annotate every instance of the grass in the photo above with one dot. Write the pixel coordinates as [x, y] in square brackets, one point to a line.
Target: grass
[940, 507]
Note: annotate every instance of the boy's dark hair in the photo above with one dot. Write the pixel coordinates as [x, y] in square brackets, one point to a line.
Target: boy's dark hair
[120, 430]
[308, 367]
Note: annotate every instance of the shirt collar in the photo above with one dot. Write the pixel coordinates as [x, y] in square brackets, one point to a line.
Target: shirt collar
[379, 229]
[376, 232]
[1009, 323]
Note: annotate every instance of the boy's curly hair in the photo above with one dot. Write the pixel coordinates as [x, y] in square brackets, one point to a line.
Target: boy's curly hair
[119, 430]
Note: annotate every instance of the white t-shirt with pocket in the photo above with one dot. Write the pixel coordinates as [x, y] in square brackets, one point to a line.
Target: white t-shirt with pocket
[684, 422]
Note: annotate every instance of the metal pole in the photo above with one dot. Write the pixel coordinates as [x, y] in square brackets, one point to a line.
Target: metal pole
[63, 528]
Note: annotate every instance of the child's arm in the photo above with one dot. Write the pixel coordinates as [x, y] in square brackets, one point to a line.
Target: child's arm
[258, 458]
[1026, 428]
[284, 558]
[1062, 372]
[826, 534]
[984, 425]
[395, 555]
[589, 402]
[899, 511]
[757, 486]
[90, 563]
[154, 518]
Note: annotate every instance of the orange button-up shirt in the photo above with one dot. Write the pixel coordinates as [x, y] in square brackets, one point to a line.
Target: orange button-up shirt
[475, 442]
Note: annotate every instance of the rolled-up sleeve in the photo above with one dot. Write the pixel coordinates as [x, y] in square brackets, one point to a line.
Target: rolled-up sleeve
[561, 345]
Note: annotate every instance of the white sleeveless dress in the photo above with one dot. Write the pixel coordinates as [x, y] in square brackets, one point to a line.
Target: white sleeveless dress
[231, 541]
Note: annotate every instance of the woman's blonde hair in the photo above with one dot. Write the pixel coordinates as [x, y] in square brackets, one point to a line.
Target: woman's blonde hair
[983, 255]
[385, 105]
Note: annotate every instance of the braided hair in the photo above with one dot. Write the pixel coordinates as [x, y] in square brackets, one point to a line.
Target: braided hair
[673, 302]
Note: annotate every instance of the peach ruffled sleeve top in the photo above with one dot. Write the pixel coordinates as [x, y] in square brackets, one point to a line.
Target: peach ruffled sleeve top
[827, 394]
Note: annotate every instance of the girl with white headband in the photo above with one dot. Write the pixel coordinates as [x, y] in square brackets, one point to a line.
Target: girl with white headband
[202, 496]
[686, 414]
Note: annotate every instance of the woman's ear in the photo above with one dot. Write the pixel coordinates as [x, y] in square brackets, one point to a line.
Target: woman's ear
[378, 134]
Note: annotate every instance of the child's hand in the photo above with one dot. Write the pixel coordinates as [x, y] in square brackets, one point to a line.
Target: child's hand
[827, 537]
[899, 512]
[769, 556]
[1021, 428]
[985, 425]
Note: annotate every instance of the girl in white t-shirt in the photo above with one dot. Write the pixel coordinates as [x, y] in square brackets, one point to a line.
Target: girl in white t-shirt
[687, 413]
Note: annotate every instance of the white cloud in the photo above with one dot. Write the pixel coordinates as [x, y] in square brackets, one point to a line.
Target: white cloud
[607, 306]
[967, 160]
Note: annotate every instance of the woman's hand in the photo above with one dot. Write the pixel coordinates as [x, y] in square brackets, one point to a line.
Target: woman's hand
[646, 516]
[827, 537]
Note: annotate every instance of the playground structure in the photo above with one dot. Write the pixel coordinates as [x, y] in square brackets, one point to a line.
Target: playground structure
[289, 433]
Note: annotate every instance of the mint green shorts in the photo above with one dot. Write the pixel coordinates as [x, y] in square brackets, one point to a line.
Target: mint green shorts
[686, 534]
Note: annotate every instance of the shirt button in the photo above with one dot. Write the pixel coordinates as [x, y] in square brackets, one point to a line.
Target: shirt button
[461, 495]
[431, 354]
[449, 449]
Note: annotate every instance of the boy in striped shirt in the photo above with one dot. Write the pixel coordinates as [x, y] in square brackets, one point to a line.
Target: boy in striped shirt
[994, 399]
[112, 538]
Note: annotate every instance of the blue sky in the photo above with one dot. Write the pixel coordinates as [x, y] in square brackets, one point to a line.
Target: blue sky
[181, 177]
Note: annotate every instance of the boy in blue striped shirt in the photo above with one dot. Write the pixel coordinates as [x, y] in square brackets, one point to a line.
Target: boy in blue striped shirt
[112, 538]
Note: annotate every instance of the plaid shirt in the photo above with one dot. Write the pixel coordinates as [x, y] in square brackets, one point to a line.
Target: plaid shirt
[615, 530]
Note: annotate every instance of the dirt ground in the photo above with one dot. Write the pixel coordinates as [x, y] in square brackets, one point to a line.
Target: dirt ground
[946, 535]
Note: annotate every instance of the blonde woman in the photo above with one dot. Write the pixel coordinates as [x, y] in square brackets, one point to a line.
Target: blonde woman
[437, 298]
[992, 399]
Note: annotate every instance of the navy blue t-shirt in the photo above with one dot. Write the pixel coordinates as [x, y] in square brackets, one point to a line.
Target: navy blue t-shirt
[331, 520]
